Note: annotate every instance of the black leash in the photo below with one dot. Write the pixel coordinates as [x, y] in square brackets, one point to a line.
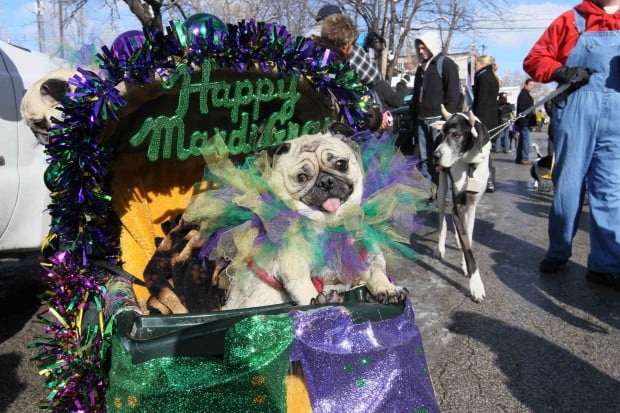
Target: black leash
[542, 101]
[495, 131]
[119, 271]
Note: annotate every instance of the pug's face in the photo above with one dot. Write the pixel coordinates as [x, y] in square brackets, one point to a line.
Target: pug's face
[41, 102]
[317, 171]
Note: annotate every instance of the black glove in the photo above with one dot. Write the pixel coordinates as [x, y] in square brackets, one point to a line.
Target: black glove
[406, 78]
[577, 76]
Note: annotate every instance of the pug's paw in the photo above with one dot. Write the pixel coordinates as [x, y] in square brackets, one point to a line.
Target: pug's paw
[392, 296]
[330, 297]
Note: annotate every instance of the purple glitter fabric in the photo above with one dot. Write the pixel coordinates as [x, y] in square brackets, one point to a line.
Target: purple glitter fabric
[366, 367]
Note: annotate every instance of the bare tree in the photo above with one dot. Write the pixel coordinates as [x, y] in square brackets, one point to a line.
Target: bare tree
[395, 21]
[512, 77]
[295, 15]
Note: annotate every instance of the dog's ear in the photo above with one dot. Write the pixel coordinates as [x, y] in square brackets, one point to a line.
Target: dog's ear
[339, 128]
[478, 131]
[280, 149]
[482, 136]
[53, 90]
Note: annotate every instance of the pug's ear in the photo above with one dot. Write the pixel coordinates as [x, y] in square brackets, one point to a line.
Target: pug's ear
[339, 128]
[53, 90]
[280, 149]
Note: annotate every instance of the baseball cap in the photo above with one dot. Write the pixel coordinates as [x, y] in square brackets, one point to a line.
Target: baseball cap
[327, 11]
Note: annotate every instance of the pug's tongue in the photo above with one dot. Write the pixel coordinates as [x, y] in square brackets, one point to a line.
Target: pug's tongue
[331, 204]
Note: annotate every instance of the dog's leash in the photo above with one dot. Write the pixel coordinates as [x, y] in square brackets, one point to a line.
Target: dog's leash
[119, 271]
[498, 129]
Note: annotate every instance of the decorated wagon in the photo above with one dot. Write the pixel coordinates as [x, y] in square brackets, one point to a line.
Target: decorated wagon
[160, 175]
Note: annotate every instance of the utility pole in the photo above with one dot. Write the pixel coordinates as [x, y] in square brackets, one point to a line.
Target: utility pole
[473, 54]
[40, 26]
[61, 32]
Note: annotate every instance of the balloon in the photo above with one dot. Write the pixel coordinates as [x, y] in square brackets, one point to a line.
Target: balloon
[126, 43]
[193, 24]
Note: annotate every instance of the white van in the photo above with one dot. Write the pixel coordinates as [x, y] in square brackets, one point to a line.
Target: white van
[24, 221]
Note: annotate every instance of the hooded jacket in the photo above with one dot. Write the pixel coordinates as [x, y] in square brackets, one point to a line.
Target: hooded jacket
[556, 43]
[431, 90]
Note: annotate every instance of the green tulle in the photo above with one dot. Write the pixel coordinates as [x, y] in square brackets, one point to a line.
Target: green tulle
[245, 200]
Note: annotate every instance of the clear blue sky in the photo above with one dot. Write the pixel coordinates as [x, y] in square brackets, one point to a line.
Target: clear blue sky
[508, 44]
[526, 22]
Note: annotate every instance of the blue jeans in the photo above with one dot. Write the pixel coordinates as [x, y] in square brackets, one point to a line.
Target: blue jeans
[426, 146]
[523, 147]
[503, 138]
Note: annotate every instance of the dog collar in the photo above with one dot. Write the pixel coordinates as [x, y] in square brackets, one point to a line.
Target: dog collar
[318, 282]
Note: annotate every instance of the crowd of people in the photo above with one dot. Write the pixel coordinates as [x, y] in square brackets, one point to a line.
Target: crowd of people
[579, 48]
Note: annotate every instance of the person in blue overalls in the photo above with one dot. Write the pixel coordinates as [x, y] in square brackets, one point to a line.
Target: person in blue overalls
[582, 47]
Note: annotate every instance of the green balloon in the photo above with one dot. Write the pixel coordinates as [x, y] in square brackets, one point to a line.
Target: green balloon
[193, 24]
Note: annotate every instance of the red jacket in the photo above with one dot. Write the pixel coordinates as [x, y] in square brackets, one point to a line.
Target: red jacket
[556, 43]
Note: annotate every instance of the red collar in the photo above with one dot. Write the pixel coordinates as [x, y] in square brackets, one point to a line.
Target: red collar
[263, 275]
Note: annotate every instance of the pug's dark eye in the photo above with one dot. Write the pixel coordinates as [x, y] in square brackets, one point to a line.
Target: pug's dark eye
[302, 178]
[342, 165]
[40, 123]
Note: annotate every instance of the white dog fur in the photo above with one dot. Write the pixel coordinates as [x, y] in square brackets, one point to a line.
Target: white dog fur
[449, 159]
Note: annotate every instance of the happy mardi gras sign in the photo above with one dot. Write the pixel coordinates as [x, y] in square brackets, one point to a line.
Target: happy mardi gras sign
[242, 99]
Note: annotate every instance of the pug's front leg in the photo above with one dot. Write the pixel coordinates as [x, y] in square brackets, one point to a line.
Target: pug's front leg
[380, 286]
[294, 273]
[301, 290]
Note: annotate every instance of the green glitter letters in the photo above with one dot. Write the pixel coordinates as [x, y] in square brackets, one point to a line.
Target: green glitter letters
[242, 99]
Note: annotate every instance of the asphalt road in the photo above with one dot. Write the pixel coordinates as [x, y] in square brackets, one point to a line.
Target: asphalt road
[21, 387]
[536, 344]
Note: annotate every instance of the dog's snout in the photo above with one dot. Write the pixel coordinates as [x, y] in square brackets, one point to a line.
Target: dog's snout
[326, 182]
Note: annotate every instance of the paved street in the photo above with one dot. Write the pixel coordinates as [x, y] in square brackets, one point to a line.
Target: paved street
[536, 344]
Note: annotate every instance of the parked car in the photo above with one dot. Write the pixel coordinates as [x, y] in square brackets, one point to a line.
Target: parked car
[24, 221]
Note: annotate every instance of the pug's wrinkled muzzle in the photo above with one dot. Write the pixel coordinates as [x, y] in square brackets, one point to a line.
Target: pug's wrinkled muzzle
[328, 193]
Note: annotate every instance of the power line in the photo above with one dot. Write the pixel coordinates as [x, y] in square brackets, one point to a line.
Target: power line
[508, 29]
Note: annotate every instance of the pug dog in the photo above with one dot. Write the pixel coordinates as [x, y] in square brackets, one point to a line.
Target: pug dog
[41, 102]
[320, 176]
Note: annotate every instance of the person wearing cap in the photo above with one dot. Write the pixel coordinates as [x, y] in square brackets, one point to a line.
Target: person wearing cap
[327, 10]
[358, 58]
[323, 12]
[339, 33]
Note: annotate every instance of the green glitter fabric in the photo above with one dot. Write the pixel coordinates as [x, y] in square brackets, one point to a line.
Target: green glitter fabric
[249, 378]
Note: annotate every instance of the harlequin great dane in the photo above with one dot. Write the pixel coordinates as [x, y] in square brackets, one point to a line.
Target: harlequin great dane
[462, 155]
